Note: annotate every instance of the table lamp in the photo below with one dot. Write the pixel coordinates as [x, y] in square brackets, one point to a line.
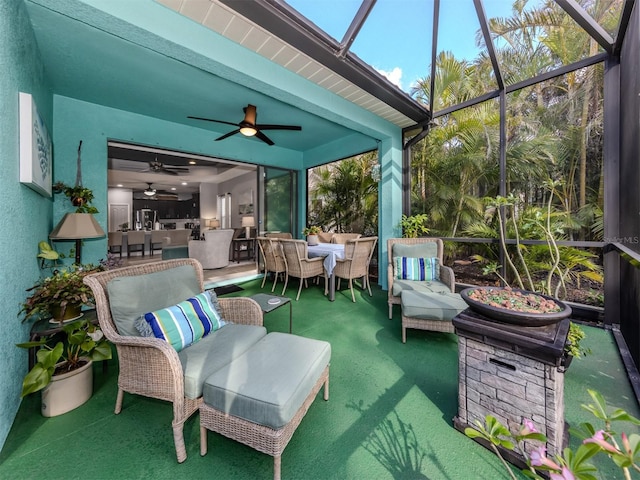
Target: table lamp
[213, 223]
[247, 223]
[77, 226]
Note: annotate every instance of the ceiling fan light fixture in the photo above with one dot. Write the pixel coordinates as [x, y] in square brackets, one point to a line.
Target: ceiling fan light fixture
[248, 130]
[150, 192]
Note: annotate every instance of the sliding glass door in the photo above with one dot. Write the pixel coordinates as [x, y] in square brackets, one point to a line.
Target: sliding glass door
[278, 205]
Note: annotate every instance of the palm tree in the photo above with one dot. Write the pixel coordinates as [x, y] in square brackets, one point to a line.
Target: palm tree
[343, 196]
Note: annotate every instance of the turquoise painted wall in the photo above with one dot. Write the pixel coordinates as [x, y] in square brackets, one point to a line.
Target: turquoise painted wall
[26, 215]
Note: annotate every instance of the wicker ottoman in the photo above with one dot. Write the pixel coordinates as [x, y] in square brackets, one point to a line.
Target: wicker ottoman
[429, 311]
[260, 398]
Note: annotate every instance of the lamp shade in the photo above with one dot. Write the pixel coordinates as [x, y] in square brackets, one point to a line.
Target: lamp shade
[248, 222]
[213, 223]
[74, 226]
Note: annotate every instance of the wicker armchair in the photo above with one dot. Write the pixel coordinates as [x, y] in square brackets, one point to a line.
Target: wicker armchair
[447, 276]
[150, 366]
[343, 237]
[272, 258]
[357, 256]
[298, 264]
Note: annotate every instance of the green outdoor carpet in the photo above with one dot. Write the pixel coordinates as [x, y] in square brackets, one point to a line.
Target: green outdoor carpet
[389, 415]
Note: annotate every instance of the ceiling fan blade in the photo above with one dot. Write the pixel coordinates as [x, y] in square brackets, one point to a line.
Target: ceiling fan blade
[212, 120]
[264, 138]
[168, 172]
[279, 127]
[227, 135]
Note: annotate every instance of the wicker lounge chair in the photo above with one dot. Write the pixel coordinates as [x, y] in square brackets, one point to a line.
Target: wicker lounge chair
[151, 366]
[447, 280]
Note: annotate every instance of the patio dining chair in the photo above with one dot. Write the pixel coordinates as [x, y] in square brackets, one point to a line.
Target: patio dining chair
[355, 264]
[272, 258]
[298, 264]
[286, 235]
[343, 237]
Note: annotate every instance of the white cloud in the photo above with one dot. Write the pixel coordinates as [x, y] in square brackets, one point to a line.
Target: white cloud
[394, 76]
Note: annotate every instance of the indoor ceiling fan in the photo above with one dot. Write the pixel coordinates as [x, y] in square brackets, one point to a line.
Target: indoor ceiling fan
[159, 167]
[249, 127]
[150, 191]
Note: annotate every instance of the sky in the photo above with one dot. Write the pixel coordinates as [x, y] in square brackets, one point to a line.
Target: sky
[396, 38]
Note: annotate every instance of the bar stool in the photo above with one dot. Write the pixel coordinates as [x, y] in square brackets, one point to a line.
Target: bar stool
[135, 239]
[115, 242]
[157, 237]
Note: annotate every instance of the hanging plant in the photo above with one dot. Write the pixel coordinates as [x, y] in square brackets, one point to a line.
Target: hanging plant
[81, 197]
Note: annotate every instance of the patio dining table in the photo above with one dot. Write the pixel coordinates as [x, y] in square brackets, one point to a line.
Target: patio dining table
[331, 253]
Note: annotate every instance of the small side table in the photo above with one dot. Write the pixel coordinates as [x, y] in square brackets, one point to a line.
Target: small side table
[268, 304]
[243, 246]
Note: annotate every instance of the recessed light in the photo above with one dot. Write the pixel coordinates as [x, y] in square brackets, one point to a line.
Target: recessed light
[119, 185]
[192, 162]
[184, 183]
[173, 188]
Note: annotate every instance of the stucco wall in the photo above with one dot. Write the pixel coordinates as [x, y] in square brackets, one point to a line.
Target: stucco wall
[26, 215]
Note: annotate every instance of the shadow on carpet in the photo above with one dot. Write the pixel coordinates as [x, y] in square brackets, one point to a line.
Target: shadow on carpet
[225, 289]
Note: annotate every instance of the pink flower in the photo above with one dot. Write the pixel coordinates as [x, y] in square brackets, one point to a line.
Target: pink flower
[539, 458]
[566, 474]
[598, 439]
[538, 455]
[528, 427]
[625, 443]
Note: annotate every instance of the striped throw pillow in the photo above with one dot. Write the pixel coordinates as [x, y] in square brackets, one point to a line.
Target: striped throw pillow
[187, 322]
[410, 268]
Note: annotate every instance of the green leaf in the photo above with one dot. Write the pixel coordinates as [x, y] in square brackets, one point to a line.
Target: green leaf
[473, 433]
[620, 415]
[103, 352]
[37, 378]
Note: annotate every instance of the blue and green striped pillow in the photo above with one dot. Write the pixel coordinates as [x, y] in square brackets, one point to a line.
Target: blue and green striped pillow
[187, 322]
[418, 268]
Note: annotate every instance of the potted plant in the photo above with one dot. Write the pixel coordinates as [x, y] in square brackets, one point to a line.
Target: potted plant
[81, 197]
[63, 369]
[59, 296]
[312, 234]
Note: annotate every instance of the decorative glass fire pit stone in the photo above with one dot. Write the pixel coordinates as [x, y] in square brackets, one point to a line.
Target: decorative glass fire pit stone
[509, 299]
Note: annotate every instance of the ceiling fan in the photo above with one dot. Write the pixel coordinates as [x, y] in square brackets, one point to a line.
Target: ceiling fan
[249, 127]
[150, 192]
[159, 167]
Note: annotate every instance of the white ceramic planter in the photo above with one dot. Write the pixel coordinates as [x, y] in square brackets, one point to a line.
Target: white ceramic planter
[312, 240]
[68, 391]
